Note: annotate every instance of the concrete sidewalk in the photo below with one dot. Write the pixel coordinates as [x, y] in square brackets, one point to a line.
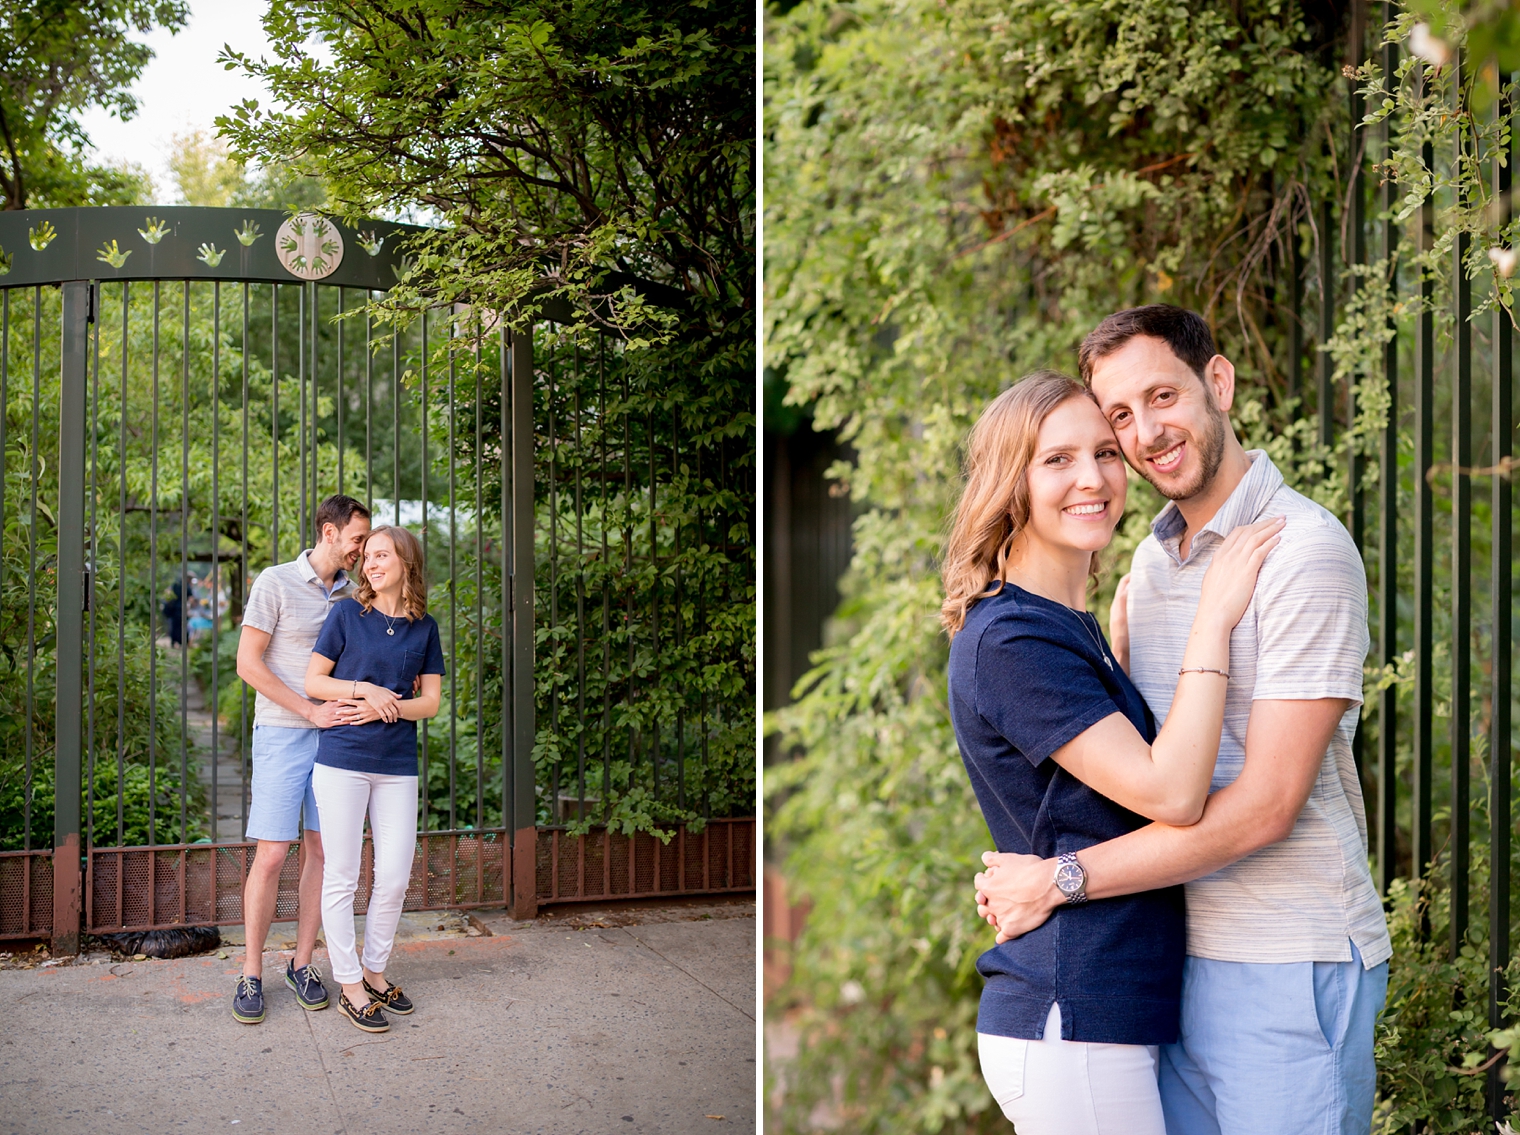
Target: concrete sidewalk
[638, 1020]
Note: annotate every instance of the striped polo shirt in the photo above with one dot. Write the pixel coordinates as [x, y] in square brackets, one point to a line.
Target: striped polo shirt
[289, 603]
[1303, 637]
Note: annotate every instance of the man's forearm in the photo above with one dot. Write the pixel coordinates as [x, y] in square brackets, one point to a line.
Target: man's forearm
[1233, 826]
[258, 675]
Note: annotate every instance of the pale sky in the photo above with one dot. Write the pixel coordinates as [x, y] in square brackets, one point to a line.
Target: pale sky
[183, 87]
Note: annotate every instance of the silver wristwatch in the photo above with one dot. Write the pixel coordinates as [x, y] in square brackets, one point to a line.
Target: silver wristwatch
[1071, 879]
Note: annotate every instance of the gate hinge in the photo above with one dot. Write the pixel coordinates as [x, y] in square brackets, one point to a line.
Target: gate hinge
[89, 316]
[85, 580]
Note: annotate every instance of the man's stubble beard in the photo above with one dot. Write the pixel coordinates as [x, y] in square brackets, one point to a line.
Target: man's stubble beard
[1210, 457]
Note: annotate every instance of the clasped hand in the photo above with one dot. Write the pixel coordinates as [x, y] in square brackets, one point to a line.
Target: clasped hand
[1015, 893]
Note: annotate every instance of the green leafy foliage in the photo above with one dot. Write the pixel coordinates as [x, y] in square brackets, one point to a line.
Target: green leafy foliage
[57, 60]
[955, 195]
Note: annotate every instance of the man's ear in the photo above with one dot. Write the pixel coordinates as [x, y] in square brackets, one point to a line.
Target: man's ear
[1219, 380]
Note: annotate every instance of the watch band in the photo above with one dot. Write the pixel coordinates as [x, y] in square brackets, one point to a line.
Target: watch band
[1067, 871]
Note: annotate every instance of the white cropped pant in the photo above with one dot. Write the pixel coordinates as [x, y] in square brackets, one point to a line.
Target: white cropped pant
[343, 798]
[1066, 1087]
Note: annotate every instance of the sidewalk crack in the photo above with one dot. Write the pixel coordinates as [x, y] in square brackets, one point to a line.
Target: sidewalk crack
[326, 1075]
[686, 971]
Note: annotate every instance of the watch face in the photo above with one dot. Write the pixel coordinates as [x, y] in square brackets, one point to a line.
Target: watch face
[1069, 878]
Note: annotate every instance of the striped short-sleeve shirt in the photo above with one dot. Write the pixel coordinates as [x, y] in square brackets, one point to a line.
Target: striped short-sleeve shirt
[1303, 637]
[290, 603]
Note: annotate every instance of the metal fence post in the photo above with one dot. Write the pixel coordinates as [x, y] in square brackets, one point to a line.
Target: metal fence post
[68, 709]
[522, 805]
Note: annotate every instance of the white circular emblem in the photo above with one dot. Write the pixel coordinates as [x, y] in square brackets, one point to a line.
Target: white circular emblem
[309, 246]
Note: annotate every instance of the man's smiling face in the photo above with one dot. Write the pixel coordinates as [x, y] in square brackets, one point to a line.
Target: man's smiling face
[1170, 423]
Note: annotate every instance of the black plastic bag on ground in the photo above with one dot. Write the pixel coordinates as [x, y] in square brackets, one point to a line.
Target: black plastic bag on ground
[180, 942]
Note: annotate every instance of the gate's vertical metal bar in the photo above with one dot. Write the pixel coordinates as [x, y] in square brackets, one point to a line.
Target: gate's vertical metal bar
[1325, 390]
[453, 590]
[1461, 547]
[606, 582]
[521, 802]
[627, 528]
[342, 441]
[153, 586]
[121, 578]
[1501, 596]
[396, 422]
[184, 568]
[5, 381]
[31, 572]
[92, 567]
[303, 533]
[245, 730]
[1388, 487]
[480, 587]
[369, 405]
[70, 621]
[1424, 440]
[679, 628]
[1356, 233]
[654, 601]
[274, 416]
[1296, 322]
[312, 534]
[503, 348]
[1356, 242]
[580, 604]
[216, 549]
[551, 372]
[422, 795]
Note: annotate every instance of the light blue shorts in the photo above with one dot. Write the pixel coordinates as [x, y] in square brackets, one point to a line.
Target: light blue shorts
[281, 791]
[1266, 1049]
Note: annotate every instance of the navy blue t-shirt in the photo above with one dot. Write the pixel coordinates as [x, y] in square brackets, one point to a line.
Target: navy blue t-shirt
[1026, 676]
[362, 652]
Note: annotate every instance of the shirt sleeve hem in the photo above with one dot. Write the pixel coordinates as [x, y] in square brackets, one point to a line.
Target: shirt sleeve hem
[1069, 731]
[1307, 693]
[255, 624]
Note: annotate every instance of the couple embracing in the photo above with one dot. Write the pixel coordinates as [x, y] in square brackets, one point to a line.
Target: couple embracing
[1188, 937]
[344, 670]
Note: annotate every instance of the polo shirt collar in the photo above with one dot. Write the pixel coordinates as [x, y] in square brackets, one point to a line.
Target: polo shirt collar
[309, 573]
[1243, 506]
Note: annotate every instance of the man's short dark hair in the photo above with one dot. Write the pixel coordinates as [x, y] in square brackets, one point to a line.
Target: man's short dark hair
[339, 510]
[1182, 330]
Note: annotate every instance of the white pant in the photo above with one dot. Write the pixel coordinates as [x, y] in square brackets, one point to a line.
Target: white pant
[1065, 1087]
[343, 797]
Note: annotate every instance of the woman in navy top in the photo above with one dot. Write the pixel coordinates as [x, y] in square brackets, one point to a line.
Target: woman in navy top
[374, 651]
[1063, 754]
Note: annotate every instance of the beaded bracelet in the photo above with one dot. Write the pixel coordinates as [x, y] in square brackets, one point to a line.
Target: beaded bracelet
[1202, 670]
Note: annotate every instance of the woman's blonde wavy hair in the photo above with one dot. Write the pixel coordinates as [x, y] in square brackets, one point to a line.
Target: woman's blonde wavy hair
[413, 582]
[994, 506]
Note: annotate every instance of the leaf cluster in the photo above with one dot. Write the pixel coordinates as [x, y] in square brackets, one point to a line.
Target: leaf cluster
[59, 58]
[549, 140]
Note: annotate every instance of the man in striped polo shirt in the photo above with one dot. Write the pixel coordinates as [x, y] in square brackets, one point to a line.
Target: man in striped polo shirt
[286, 609]
[1287, 944]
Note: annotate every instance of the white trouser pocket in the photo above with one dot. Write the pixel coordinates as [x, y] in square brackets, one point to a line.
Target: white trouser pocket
[1003, 1059]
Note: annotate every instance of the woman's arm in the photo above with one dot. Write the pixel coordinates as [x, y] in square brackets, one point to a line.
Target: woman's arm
[425, 704]
[1168, 781]
[321, 684]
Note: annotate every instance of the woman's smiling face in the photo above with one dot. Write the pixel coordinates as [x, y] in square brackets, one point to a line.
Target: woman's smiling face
[382, 566]
[1076, 479]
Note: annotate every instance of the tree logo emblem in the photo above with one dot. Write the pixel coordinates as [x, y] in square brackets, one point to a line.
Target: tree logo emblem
[309, 246]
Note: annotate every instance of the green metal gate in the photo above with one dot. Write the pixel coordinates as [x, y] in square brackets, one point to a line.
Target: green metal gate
[178, 389]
